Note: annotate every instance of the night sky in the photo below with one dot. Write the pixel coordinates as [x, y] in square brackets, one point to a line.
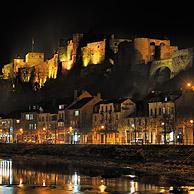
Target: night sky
[47, 21]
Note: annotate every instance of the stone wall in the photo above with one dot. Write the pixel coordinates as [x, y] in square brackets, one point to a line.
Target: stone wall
[148, 50]
[93, 53]
[180, 60]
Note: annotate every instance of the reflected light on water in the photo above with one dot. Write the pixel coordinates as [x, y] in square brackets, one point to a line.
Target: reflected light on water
[102, 187]
[20, 178]
[43, 183]
[21, 182]
[6, 176]
[133, 186]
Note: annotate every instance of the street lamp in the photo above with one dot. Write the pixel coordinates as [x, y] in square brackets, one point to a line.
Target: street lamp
[133, 126]
[164, 128]
[188, 84]
[44, 129]
[21, 132]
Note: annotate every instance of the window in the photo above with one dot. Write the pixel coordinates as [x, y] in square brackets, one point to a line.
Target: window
[60, 124]
[151, 112]
[77, 113]
[155, 111]
[30, 126]
[96, 109]
[163, 110]
[160, 111]
[172, 110]
[106, 108]
[117, 107]
[27, 117]
[61, 107]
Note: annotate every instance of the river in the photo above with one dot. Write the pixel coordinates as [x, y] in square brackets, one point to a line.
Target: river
[30, 177]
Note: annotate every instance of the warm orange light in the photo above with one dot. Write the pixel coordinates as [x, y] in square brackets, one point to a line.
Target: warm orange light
[189, 84]
[44, 129]
[102, 126]
[21, 130]
[191, 121]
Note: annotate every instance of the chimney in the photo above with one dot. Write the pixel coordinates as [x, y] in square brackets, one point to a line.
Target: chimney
[75, 95]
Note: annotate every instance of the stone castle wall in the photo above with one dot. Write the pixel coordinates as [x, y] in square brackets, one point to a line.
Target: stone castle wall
[148, 50]
[93, 53]
[33, 68]
[179, 60]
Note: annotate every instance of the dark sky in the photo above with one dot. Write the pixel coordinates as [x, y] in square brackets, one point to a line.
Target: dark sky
[48, 21]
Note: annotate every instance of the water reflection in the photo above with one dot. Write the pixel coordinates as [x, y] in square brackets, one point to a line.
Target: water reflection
[24, 180]
[6, 172]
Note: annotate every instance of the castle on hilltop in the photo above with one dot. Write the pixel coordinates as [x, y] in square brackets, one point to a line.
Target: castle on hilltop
[33, 68]
[98, 50]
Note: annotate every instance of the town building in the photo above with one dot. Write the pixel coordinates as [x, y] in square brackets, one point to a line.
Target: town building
[109, 117]
[79, 117]
[8, 129]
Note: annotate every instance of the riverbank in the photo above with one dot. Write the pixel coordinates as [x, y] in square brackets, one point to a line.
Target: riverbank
[168, 162]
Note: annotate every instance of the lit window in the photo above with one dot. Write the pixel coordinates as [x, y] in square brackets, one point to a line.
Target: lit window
[77, 113]
[30, 126]
[30, 116]
[61, 107]
[27, 117]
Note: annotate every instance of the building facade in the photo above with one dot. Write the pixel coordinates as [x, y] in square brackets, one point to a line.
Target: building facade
[109, 123]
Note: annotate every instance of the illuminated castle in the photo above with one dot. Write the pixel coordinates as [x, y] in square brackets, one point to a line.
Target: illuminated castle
[92, 51]
[34, 67]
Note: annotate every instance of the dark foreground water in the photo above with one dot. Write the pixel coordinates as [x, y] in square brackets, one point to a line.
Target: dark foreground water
[35, 177]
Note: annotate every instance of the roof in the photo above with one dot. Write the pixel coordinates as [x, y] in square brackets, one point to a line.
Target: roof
[114, 101]
[80, 103]
[158, 96]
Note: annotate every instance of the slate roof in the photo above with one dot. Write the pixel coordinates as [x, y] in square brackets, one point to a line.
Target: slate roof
[80, 103]
[114, 101]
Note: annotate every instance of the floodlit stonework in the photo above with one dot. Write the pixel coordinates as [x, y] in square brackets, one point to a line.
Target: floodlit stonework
[93, 53]
[33, 68]
[180, 60]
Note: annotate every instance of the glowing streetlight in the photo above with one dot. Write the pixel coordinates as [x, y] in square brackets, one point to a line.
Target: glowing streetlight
[21, 130]
[191, 121]
[188, 84]
[102, 126]
[21, 182]
[162, 123]
[43, 183]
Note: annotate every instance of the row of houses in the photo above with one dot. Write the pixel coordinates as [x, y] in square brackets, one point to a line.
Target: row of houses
[89, 119]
